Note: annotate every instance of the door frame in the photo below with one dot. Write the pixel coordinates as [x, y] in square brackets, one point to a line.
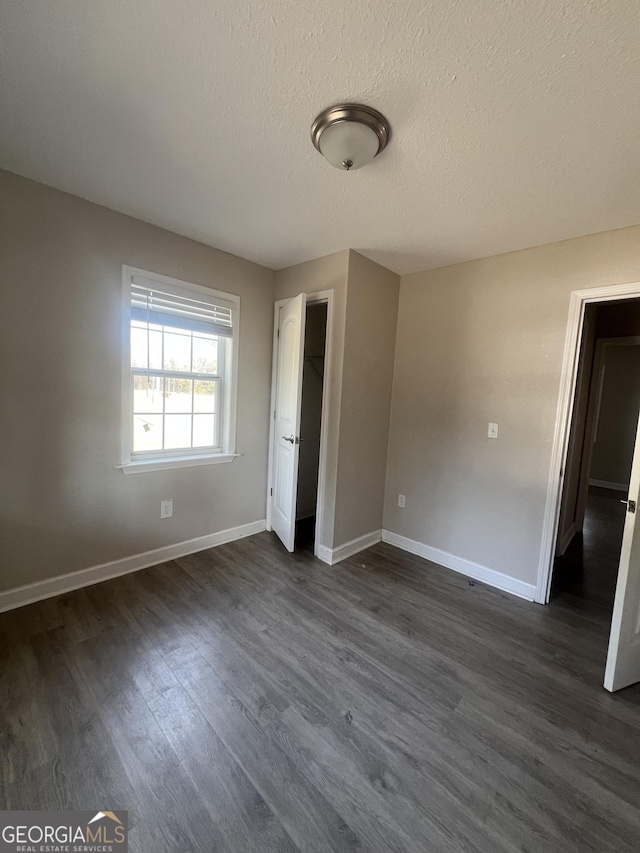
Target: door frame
[320, 296]
[568, 377]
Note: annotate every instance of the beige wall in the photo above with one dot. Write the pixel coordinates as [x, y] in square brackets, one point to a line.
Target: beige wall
[63, 505]
[370, 337]
[476, 342]
[328, 273]
[618, 420]
[479, 342]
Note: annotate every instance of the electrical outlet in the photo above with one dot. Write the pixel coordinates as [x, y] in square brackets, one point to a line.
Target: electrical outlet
[493, 431]
[166, 509]
[401, 500]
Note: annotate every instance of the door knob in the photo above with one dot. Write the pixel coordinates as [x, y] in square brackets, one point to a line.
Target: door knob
[631, 505]
[289, 438]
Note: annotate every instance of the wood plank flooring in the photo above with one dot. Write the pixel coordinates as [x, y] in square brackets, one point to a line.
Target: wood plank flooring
[588, 571]
[245, 699]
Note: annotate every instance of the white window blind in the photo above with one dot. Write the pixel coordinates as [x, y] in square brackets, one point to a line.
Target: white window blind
[158, 303]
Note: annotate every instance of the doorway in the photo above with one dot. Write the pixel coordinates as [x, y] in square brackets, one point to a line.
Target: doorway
[595, 547]
[298, 456]
[601, 446]
[315, 338]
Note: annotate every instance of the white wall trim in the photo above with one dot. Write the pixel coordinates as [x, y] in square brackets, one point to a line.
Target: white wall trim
[326, 415]
[459, 564]
[149, 465]
[577, 304]
[331, 556]
[607, 484]
[566, 541]
[29, 593]
[323, 553]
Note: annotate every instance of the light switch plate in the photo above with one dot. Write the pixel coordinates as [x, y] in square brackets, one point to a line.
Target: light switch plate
[493, 431]
[401, 500]
[166, 509]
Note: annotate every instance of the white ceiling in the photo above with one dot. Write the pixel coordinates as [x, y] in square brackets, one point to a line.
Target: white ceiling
[515, 122]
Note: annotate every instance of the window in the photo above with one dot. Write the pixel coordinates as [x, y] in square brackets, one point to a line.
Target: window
[179, 373]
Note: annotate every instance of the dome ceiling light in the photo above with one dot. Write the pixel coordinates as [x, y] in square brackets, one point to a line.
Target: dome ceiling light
[350, 135]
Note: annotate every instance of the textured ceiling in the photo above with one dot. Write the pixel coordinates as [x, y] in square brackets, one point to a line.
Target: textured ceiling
[515, 122]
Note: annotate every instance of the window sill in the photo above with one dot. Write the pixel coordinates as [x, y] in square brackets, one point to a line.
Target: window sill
[144, 466]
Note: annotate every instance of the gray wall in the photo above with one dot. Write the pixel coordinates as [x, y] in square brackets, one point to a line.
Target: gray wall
[369, 346]
[620, 402]
[478, 342]
[63, 505]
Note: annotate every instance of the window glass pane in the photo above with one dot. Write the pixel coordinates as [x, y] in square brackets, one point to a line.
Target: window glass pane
[138, 346]
[177, 351]
[147, 394]
[178, 395]
[177, 431]
[155, 349]
[147, 432]
[205, 355]
[204, 399]
[176, 389]
[204, 431]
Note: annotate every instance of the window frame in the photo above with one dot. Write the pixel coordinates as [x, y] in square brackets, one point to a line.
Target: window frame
[132, 462]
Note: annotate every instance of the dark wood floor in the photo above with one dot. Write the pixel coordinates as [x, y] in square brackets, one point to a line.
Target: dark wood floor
[244, 699]
[588, 571]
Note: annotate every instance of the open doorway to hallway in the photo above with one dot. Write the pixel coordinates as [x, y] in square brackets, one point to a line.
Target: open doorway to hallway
[599, 460]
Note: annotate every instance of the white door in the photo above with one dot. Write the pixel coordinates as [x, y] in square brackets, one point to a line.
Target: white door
[288, 406]
[623, 658]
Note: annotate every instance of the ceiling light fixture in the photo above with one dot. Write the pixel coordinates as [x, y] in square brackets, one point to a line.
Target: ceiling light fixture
[350, 135]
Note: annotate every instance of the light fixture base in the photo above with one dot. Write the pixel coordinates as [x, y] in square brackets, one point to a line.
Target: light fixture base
[352, 112]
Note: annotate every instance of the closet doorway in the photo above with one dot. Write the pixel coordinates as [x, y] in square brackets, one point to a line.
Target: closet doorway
[297, 447]
[315, 338]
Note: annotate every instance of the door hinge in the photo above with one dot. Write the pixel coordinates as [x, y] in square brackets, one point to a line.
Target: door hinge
[271, 490]
[278, 331]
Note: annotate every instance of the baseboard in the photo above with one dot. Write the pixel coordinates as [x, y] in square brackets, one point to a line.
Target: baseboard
[607, 484]
[323, 553]
[29, 593]
[459, 564]
[566, 539]
[331, 556]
